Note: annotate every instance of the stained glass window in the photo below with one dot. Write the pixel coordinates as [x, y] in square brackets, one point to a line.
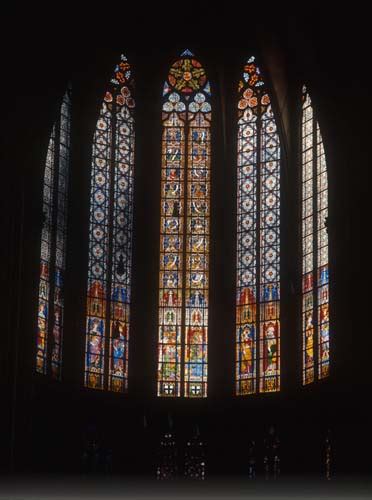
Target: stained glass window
[184, 231]
[110, 237]
[315, 281]
[258, 238]
[53, 246]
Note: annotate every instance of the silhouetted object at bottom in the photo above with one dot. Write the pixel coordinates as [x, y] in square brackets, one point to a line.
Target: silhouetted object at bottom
[252, 460]
[195, 464]
[91, 457]
[166, 468]
[328, 456]
[271, 455]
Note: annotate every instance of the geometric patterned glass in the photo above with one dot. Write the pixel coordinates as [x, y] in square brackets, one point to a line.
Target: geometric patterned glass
[314, 238]
[50, 316]
[110, 237]
[257, 331]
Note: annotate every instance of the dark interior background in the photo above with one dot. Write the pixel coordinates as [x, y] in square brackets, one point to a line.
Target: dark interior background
[44, 424]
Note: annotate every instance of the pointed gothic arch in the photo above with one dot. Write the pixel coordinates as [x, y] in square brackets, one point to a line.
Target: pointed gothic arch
[314, 239]
[184, 231]
[258, 238]
[110, 237]
[50, 315]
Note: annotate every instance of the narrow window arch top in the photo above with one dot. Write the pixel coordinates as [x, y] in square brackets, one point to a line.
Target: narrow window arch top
[53, 246]
[315, 279]
[258, 238]
[184, 231]
[110, 237]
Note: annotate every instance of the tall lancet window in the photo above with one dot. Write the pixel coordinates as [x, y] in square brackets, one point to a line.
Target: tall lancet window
[110, 237]
[315, 282]
[184, 231]
[258, 239]
[53, 246]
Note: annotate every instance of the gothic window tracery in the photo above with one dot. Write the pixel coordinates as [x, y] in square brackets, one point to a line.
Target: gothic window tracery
[315, 275]
[258, 238]
[185, 229]
[51, 309]
[110, 237]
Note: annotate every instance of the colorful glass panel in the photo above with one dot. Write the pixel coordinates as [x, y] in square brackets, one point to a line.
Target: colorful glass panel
[184, 231]
[322, 260]
[110, 237]
[307, 243]
[258, 239]
[53, 246]
[315, 280]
